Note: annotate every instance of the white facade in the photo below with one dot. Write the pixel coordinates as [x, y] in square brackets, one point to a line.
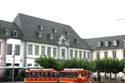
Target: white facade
[57, 52]
[119, 53]
[9, 56]
[61, 53]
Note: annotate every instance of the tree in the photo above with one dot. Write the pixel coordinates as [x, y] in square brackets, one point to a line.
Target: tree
[71, 63]
[48, 62]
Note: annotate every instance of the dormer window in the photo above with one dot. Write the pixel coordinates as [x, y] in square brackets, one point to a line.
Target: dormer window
[115, 43]
[106, 43]
[40, 27]
[7, 32]
[54, 30]
[63, 41]
[75, 41]
[50, 36]
[40, 35]
[99, 44]
[66, 33]
[15, 33]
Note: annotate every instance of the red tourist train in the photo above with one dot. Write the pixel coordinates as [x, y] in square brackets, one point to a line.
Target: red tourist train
[53, 76]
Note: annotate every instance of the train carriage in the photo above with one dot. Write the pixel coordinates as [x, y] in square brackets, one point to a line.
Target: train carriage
[74, 76]
[40, 76]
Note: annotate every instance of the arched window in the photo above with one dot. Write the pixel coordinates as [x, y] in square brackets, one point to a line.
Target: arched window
[115, 43]
[99, 44]
[107, 43]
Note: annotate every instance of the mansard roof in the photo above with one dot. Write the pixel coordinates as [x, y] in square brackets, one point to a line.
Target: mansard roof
[120, 42]
[44, 31]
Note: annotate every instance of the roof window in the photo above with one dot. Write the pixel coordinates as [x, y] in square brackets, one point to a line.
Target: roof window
[115, 43]
[107, 43]
[15, 33]
[38, 34]
[54, 30]
[50, 36]
[99, 44]
[40, 27]
[66, 33]
[76, 41]
[7, 32]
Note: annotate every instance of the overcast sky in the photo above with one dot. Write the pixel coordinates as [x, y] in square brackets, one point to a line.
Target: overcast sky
[89, 18]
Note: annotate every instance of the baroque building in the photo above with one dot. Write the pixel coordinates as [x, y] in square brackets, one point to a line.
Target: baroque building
[28, 37]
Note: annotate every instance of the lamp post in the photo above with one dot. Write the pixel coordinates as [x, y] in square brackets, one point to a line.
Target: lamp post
[13, 67]
[123, 75]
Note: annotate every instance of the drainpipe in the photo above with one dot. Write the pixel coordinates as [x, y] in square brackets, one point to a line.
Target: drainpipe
[25, 53]
[4, 56]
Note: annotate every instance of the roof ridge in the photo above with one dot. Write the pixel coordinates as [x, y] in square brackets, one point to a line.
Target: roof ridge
[105, 37]
[41, 19]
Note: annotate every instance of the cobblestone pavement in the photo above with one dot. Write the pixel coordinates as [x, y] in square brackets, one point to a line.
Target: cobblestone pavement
[112, 81]
[11, 82]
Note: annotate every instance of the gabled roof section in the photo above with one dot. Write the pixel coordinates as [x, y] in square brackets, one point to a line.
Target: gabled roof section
[7, 29]
[33, 26]
[93, 42]
[6, 24]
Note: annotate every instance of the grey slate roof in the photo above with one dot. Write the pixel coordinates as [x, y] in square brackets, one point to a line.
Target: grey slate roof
[93, 42]
[29, 27]
[8, 25]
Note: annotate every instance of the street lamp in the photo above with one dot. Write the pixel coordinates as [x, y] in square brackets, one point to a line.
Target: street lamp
[123, 75]
[13, 67]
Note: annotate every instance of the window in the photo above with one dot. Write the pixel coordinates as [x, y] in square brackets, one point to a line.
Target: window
[99, 44]
[15, 33]
[36, 50]
[115, 43]
[40, 27]
[98, 55]
[75, 41]
[42, 50]
[9, 49]
[106, 43]
[63, 53]
[71, 53]
[84, 54]
[80, 54]
[29, 65]
[0, 47]
[39, 34]
[106, 54]
[123, 53]
[50, 36]
[30, 49]
[17, 49]
[114, 54]
[63, 41]
[8, 64]
[76, 53]
[54, 52]
[54, 30]
[89, 55]
[49, 51]
[7, 32]
[36, 65]
[16, 64]
[66, 33]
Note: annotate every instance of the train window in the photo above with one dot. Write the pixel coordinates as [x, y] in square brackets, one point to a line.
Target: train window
[28, 74]
[41, 74]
